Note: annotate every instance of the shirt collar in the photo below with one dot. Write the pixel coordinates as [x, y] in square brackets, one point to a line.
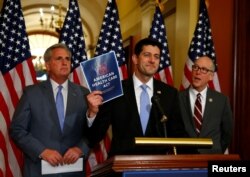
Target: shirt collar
[55, 85]
[138, 83]
[195, 92]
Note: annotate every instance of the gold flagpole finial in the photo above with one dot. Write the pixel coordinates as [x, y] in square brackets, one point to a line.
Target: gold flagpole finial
[158, 3]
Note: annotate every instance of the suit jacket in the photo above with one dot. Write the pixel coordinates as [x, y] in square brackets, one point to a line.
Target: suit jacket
[35, 125]
[122, 114]
[217, 120]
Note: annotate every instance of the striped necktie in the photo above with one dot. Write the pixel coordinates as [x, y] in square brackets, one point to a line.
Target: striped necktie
[198, 114]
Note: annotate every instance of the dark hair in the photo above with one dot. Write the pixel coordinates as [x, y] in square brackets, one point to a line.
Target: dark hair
[48, 52]
[146, 41]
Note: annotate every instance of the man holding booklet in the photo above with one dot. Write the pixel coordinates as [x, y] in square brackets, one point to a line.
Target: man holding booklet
[127, 115]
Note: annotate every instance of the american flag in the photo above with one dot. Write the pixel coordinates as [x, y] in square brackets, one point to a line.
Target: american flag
[17, 71]
[110, 37]
[201, 44]
[72, 35]
[158, 32]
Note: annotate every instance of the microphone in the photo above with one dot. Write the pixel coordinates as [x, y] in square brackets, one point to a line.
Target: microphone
[156, 101]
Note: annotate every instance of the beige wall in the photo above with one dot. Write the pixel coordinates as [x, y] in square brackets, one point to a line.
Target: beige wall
[180, 27]
[180, 20]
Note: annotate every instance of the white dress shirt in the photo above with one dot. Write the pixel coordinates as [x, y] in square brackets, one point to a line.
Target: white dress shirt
[193, 94]
[138, 90]
[64, 92]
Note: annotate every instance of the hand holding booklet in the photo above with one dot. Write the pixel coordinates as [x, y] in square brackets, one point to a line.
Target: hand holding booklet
[102, 73]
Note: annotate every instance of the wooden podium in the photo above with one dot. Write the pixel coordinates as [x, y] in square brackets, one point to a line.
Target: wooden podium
[120, 164]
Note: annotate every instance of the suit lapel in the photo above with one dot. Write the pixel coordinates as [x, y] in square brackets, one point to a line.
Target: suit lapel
[208, 109]
[154, 124]
[188, 115]
[71, 98]
[188, 108]
[48, 94]
[71, 101]
[129, 94]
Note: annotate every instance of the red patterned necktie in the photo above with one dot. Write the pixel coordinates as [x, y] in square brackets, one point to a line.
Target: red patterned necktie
[198, 114]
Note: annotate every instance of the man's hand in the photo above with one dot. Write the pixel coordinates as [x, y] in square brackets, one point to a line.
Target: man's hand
[52, 156]
[94, 101]
[72, 155]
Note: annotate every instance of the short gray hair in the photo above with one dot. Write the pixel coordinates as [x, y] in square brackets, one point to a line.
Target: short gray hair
[48, 52]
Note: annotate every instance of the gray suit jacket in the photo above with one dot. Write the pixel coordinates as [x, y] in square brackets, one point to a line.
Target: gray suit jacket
[35, 125]
[217, 120]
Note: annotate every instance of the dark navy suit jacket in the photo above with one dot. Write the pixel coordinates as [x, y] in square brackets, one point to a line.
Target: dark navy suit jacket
[122, 114]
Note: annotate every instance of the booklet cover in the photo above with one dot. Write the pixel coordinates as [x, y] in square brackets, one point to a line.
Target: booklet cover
[102, 73]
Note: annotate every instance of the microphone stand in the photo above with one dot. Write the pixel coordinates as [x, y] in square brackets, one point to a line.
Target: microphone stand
[163, 121]
[156, 100]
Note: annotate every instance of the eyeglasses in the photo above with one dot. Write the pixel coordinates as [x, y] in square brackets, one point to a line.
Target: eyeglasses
[202, 69]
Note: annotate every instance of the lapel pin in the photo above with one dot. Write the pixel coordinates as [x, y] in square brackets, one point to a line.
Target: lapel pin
[158, 92]
[210, 99]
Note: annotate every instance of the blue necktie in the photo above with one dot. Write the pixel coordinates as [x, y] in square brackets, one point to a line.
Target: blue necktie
[60, 106]
[144, 107]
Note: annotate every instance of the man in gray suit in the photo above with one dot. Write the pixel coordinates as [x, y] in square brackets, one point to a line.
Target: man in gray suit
[213, 108]
[35, 126]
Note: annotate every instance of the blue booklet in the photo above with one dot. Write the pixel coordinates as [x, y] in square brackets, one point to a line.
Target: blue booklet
[102, 73]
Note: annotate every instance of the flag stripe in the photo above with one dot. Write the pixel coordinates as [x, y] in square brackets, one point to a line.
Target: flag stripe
[110, 39]
[74, 77]
[72, 35]
[5, 168]
[158, 32]
[29, 72]
[166, 75]
[123, 72]
[11, 87]
[78, 77]
[9, 154]
[17, 71]
[201, 45]
[188, 73]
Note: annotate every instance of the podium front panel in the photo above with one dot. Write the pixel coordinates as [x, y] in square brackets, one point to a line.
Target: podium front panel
[167, 173]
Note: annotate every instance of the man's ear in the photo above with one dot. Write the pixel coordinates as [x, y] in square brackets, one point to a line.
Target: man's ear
[47, 66]
[211, 76]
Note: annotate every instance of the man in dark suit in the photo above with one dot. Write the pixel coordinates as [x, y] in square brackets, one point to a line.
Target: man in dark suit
[35, 126]
[215, 112]
[123, 113]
